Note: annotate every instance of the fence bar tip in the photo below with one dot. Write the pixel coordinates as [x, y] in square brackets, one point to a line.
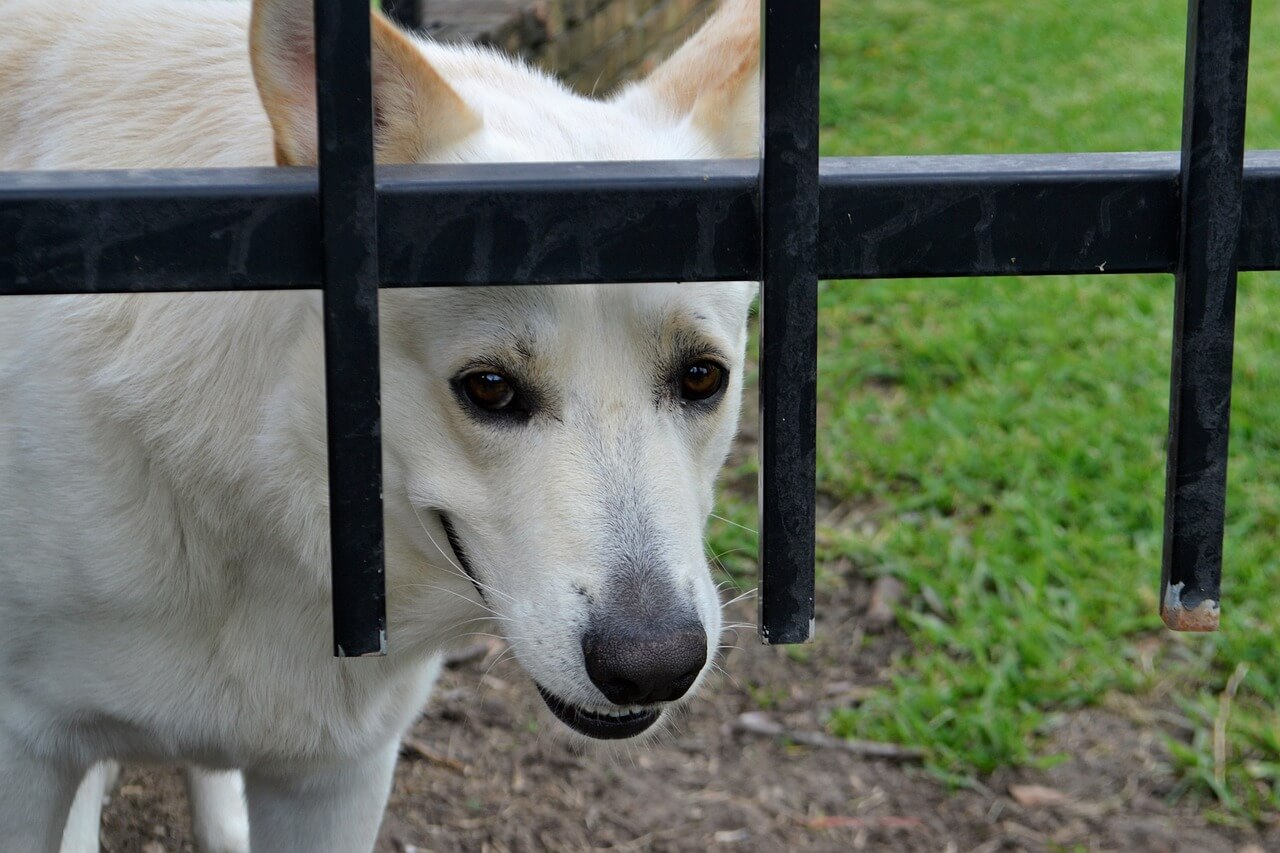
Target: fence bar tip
[378, 652]
[1179, 615]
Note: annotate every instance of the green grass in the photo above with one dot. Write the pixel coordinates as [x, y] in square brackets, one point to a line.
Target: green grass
[1006, 435]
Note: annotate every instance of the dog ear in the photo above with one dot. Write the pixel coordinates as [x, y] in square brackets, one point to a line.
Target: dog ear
[714, 78]
[415, 110]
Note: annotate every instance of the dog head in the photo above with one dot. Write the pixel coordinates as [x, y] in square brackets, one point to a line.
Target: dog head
[563, 444]
[551, 452]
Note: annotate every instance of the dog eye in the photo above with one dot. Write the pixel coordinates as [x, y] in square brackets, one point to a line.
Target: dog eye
[490, 391]
[702, 380]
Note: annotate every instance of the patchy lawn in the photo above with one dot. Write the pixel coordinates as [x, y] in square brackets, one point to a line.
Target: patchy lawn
[998, 444]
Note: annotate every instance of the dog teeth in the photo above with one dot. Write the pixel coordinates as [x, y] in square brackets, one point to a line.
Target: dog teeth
[619, 712]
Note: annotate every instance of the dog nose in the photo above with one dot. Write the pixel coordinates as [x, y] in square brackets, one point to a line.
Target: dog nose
[635, 666]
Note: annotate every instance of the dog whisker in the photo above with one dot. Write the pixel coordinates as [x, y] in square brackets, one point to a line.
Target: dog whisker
[428, 586]
[449, 570]
[502, 637]
[480, 619]
[728, 676]
[493, 614]
[734, 523]
[741, 597]
[717, 557]
[484, 587]
[430, 536]
[508, 653]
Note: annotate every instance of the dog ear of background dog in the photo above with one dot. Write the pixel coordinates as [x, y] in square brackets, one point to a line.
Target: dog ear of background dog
[415, 110]
[714, 80]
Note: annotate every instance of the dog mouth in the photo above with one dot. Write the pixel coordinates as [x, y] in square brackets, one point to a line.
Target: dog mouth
[601, 724]
[598, 723]
[459, 553]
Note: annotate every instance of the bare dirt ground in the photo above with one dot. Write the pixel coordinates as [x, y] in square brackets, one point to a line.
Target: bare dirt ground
[487, 771]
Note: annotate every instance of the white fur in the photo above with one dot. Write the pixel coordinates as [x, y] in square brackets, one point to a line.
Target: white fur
[219, 820]
[164, 554]
[85, 823]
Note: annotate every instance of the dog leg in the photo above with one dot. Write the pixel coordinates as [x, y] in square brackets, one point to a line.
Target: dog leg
[219, 816]
[84, 825]
[35, 800]
[334, 810]
[85, 822]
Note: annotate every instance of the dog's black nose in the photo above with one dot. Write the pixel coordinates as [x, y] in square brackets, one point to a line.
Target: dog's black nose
[638, 665]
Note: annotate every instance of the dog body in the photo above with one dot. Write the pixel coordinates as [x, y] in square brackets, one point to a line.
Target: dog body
[549, 453]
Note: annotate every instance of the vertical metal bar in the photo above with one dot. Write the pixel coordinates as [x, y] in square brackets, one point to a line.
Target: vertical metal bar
[788, 319]
[1204, 317]
[406, 13]
[349, 230]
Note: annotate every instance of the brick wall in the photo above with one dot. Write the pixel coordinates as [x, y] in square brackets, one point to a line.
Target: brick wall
[592, 44]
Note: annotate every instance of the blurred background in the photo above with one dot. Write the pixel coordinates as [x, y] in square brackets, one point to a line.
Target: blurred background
[991, 474]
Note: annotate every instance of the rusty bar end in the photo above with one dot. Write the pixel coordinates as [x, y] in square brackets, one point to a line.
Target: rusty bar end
[1201, 617]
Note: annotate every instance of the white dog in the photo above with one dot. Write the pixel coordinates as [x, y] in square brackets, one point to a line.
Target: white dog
[550, 452]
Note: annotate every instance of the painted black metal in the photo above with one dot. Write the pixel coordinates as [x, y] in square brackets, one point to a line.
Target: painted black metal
[602, 222]
[1213, 126]
[902, 217]
[881, 217]
[788, 320]
[1260, 219]
[406, 13]
[127, 231]
[349, 247]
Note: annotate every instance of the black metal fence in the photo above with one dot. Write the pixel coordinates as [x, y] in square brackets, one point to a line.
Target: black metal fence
[786, 220]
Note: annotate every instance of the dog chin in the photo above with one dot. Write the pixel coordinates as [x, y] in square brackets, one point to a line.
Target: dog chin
[607, 750]
[601, 723]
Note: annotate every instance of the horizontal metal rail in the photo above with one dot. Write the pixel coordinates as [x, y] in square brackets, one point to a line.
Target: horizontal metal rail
[881, 217]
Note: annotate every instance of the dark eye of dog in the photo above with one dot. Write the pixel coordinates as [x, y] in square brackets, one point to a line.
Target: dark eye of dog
[702, 380]
[490, 391]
